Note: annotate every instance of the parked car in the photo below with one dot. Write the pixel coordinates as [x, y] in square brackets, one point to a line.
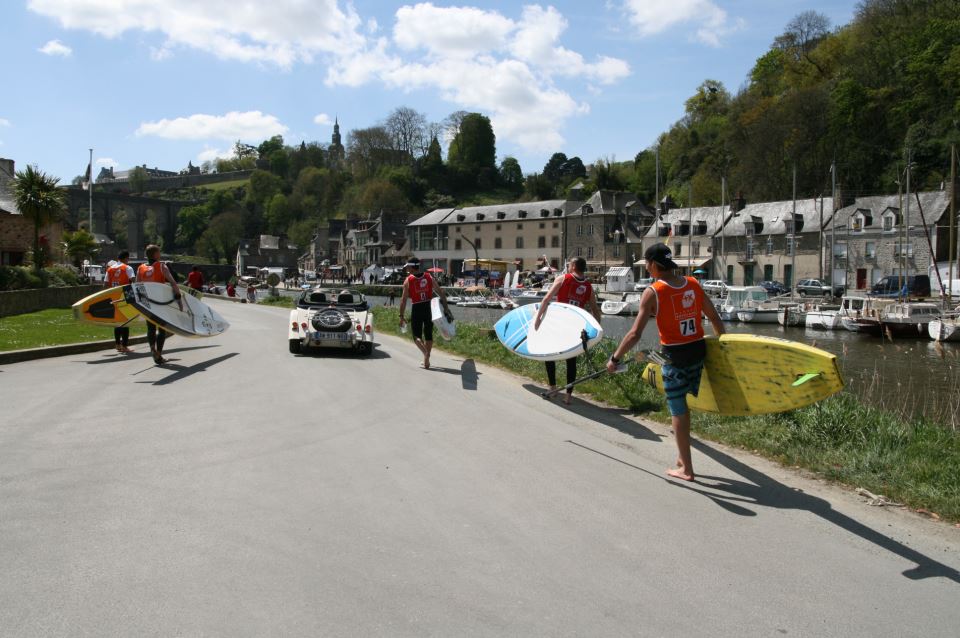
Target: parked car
[895, 286]
[816, 288]
[642, 284]
[774, 288]
[714, 287]
[331, 318]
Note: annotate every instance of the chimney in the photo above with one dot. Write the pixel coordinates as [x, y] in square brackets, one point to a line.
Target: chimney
[6, 165]
[739, 203]
[666, 205]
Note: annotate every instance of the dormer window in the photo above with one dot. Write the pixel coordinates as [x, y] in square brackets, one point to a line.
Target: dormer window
[700, 228]
[557, 212]
[544, 212]
[891, 217]
[480, 216]
[461, 218]
[522, 213]
[501, 214]
[754, 226]
[663, 230]
[681, 229]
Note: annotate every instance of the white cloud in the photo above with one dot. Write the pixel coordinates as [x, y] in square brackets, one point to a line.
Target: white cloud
[106, 162]
[322, 119]
[250, 125]
[710, 22]
[209, 154]
[55, 47]
[4, 122]
[450, 31]
[280, 32]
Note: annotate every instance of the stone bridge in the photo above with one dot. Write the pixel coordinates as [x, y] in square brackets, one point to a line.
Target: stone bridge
[133, 214]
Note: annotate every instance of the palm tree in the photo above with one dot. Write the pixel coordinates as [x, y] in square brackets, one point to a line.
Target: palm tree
[39, 200]
[79, 246]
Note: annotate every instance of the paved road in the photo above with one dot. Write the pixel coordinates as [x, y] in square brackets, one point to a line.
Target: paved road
[243, 491]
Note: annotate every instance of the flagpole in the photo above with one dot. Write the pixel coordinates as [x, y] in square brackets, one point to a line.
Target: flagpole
[90, 191]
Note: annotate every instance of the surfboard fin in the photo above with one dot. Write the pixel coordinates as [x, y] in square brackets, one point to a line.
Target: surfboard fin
[804, 378]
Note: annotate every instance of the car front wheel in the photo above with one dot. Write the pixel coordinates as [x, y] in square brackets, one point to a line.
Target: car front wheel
[294, 346]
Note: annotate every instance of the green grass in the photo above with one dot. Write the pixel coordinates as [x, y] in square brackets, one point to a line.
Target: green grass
[913, 461]
[53, 327]
[280, 302]
[222, 186]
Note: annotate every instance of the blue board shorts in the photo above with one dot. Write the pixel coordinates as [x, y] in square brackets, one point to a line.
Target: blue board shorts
[678, 381]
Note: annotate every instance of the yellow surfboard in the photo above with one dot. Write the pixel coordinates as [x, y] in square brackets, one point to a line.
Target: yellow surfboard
[105, 307]
[108, 307]
[748, 374]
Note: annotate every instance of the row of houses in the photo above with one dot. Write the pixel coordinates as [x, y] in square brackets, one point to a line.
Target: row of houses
[863, 240]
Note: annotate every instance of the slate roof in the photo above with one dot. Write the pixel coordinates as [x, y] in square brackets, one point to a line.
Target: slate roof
[708, 214]
[774, 214]
[934, 203]
[485, 214]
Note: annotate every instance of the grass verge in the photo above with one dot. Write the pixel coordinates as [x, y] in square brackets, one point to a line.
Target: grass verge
[911, 461]
[53, 327]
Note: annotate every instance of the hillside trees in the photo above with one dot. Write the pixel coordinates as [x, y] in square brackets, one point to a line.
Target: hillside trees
[473, 152]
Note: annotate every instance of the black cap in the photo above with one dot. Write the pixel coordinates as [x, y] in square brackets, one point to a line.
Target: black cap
[660, 255]
[413, 262]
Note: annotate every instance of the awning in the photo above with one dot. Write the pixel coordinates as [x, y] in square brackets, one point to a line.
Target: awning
[695, 262]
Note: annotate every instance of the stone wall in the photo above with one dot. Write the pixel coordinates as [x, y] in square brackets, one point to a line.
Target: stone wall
[18, 302]
[16, 235]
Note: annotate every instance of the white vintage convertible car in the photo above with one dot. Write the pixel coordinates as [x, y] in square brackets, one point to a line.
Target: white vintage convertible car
[331, 318]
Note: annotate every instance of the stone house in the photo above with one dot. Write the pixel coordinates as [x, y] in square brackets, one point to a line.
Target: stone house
[771, 241]
[886, 235]
[268, 251]
[16, 233]
[607, 230]
[689, 232]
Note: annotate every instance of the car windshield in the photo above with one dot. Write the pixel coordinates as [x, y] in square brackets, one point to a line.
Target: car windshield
[331, 297]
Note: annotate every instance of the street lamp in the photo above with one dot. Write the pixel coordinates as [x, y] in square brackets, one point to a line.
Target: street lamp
[476, 258]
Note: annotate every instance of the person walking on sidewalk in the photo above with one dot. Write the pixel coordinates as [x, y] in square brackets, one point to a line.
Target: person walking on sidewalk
[678, 305]
[157, 272]
[419, 288]
[572, 288]
[120, 274]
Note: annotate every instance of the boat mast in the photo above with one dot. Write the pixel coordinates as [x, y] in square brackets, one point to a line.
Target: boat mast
[820, 243]
[690, 227]
[723, 254]
[953, 214]
[833, 223]
[905, 249]
[793, 235]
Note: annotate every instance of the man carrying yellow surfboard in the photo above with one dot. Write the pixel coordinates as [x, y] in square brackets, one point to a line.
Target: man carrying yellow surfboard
[677, 304]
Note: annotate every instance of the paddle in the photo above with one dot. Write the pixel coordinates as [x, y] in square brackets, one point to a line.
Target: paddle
[551, 393]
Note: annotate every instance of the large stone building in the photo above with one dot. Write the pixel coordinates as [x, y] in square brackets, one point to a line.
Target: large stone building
[770, 241]
[603, 230]
[16, 232]
[887, 235]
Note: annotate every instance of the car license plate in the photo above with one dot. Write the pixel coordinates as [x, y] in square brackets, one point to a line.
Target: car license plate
[331, 336]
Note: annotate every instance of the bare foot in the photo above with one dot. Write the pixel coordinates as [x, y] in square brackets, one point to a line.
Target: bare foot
[680, 474]
[426, 363]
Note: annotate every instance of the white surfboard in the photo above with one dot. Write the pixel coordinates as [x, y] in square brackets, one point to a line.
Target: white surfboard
[447, 329]
[155, 301]
[560, 336]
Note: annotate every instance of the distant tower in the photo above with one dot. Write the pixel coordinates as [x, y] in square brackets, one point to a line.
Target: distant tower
[336, 150]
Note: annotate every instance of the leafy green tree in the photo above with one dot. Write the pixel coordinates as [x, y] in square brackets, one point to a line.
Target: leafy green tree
[511, 175]
[79, 245]
[191, 222]
[40, 202]
[537, 187]
[301, 232]
[551, 170]
[263, 186]
[221, 239]
[473, 150]
[268, 147]
[138, 180]
[278, 214]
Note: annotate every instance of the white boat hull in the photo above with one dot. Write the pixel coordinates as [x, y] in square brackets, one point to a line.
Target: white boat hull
[757, 315]
[823, 319]
[944, 330]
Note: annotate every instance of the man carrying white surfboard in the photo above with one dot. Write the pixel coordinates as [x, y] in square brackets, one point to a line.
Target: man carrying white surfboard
[571, 288]
[419, 288]
[120, 274]
[156, 271]
[677, 304]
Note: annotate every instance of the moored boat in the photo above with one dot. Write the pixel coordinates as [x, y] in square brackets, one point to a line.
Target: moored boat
[741, 297]
[792, 314]
[530, 296]
[944, 328]
[823, 317]
[629, 304]
[908, 318]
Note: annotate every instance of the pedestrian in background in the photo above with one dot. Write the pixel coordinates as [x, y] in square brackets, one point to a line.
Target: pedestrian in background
[120, 274]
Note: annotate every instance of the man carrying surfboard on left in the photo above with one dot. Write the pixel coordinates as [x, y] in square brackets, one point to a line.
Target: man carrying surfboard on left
[572, 288]
[419, 287]
[120, 274]
[156, 271]
[677, 304]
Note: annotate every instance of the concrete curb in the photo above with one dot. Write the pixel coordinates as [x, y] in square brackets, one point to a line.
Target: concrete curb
[16, 356]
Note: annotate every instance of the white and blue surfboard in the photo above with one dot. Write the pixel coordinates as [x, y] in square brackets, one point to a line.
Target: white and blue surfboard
[559, 337]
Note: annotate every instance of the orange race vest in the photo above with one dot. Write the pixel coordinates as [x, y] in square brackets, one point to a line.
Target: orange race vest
[151, 272]
[574, 291]
[117, 275]
[679, 312]
[420, 288]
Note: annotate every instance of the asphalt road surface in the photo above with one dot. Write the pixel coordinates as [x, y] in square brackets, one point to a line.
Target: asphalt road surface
[243, 491]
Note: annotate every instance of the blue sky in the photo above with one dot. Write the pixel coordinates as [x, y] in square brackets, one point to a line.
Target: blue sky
[165, 83]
